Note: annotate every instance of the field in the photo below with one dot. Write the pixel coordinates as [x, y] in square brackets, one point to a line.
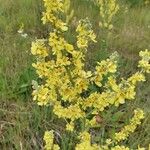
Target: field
[22, 121]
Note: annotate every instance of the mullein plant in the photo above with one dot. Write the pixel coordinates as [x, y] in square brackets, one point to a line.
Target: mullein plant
[61, 66]
[107, 10]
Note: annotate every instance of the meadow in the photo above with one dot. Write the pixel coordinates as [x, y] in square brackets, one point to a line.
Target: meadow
[22, 121]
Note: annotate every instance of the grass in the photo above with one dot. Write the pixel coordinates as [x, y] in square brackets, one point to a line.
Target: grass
[22, 122]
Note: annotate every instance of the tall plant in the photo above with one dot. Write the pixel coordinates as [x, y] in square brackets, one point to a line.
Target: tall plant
[61, 66]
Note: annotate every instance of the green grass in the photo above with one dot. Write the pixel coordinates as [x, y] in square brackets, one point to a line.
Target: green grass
[22, 122]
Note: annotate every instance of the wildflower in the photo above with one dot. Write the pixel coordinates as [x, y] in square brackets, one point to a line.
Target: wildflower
[136, 77]
[93, 122]
[70, 126]
[49, 140]
[41, 95]
[120, 148]
[85, 142]
[38, 48]
[107, 10]
[103, 68]
[42, 68]
[86, 34]
[73, 112]
[136, 120]
[53, 8]
[66, 84]
[145, 62]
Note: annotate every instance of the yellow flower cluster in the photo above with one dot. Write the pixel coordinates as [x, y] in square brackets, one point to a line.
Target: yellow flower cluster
[72, 112]
[85, 142]
[128, 129]
[120, 148]
[85, 33]
[145, 62]
[125, 90]
[65, 81]
[49, 140]
[61, 66]
[38, 48]
[103, 68]
[108, 9]
[115, 94]
[53, 8]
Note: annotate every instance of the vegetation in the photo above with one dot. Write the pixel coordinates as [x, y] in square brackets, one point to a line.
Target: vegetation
[23, 123]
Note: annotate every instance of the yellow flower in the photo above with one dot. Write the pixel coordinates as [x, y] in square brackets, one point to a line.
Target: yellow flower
[53, 8]
[145, 62]
[56, 147]
[66, 85]
[85, 34]
[85, 142]
[73, 112]
[70, 126]
[107, 10]
[103, 68]
[136, 77]
[120, 148]
[49, 139]
[69, 48]
[136, 120]
[42, 68]
[38, 48]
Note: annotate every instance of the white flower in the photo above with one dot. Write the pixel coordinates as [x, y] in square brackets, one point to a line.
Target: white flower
[24, 35]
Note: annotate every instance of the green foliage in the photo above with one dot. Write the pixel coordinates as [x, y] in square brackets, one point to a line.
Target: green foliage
[135, 2]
